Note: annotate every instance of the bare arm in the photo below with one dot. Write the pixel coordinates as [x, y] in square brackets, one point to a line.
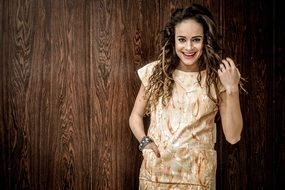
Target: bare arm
[136, 117]
[231, 116]
[230, 105]
[136, 120]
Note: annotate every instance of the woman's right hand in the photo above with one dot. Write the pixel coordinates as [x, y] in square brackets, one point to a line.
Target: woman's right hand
[152, 146]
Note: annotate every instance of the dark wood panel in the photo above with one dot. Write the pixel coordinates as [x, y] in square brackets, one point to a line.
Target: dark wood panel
[21, 30]
[4, 106]
[150, 31]
[249, 164]
[47, 96]
[260, 159]
[115, 52]
[38, 101]
[278, 116]
[125, 59]
[232, 173]
[103, 42]
[71, 137]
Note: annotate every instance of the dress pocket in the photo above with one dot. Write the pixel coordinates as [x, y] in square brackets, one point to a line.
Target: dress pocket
[195, 166]
[187, 166]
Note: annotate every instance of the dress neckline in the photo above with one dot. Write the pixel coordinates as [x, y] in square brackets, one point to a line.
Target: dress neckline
[189, 72]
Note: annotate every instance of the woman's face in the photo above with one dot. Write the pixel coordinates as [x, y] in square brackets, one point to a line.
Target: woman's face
[189, 44]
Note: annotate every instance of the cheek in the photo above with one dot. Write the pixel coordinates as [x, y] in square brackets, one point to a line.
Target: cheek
[199, 46]
[178, 47]
[200, 52]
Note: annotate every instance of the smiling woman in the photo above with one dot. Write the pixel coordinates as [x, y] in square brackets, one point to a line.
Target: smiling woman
[189, 44]
[183, 91]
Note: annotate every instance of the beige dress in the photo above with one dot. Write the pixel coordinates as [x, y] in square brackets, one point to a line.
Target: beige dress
[185, 134]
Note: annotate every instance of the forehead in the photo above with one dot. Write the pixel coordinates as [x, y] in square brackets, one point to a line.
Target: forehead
[189, 27]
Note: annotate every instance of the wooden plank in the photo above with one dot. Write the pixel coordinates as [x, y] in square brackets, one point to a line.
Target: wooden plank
[234, 158]
[249, 162]
[21, 22]
[102, 28]
[38, 96]
[277, 120]
[126, 56]
[70, 129]
[4, 101]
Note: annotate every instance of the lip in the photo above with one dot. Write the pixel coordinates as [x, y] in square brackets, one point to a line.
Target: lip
[189, 55]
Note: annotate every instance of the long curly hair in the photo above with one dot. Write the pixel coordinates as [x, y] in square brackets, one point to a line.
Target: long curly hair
[161, 81]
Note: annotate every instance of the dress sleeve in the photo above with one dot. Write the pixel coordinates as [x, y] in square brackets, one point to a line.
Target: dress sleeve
[145, 72]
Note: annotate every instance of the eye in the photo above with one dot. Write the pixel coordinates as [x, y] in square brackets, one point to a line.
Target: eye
[181, 40]
[197, 40]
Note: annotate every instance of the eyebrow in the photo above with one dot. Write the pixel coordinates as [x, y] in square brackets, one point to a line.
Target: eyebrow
[192, 37]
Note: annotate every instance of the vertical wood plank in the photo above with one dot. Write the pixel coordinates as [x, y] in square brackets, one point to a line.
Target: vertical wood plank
[233, 160]
[278, 116]
[70, 140]
[125, 57]
[260, 158]
[115, 52]
[102, 30]
[21, 22]
[38, 97]
[151, 31]
[4, 104]
[243, 32]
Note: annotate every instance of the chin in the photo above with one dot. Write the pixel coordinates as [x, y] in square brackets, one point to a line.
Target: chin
[189, 63]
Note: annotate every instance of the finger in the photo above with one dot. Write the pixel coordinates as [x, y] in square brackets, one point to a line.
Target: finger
[222, 67]
[156, 151]
[226, 64]
[238, 72]
[231, 62]
[219, 72]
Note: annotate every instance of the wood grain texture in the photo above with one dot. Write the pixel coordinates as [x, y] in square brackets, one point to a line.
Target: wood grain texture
[4, 105]
[48, 124]
[103, 44]
[260, 106]
[251, 160]
[126, 59]
[69, 78]
[278, 115]
[150, 24]
[232, 159]
[21, 28]
[115, 51]
[38, 97]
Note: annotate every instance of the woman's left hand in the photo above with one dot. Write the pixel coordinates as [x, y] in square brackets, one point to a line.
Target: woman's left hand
[229, 75]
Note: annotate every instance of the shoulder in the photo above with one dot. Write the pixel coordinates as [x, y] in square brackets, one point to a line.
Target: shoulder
[148, 66]
[146, 71]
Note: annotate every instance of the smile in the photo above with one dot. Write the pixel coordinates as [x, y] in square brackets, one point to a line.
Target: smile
[189, 55]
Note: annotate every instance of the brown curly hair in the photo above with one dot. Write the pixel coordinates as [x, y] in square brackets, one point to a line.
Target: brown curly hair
[161, 81]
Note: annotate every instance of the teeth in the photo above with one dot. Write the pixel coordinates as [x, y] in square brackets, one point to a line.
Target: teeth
[189, 54]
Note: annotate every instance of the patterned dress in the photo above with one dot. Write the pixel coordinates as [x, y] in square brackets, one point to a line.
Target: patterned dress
[185, 134]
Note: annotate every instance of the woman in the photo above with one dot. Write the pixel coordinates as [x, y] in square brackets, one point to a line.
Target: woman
[183, 91]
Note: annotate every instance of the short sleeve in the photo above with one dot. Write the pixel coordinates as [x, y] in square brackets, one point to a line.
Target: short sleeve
[145, 72]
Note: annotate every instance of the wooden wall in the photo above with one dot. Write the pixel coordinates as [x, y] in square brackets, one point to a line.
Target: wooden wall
[68, 84]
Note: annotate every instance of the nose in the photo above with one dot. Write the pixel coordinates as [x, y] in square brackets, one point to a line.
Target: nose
[189, 45]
